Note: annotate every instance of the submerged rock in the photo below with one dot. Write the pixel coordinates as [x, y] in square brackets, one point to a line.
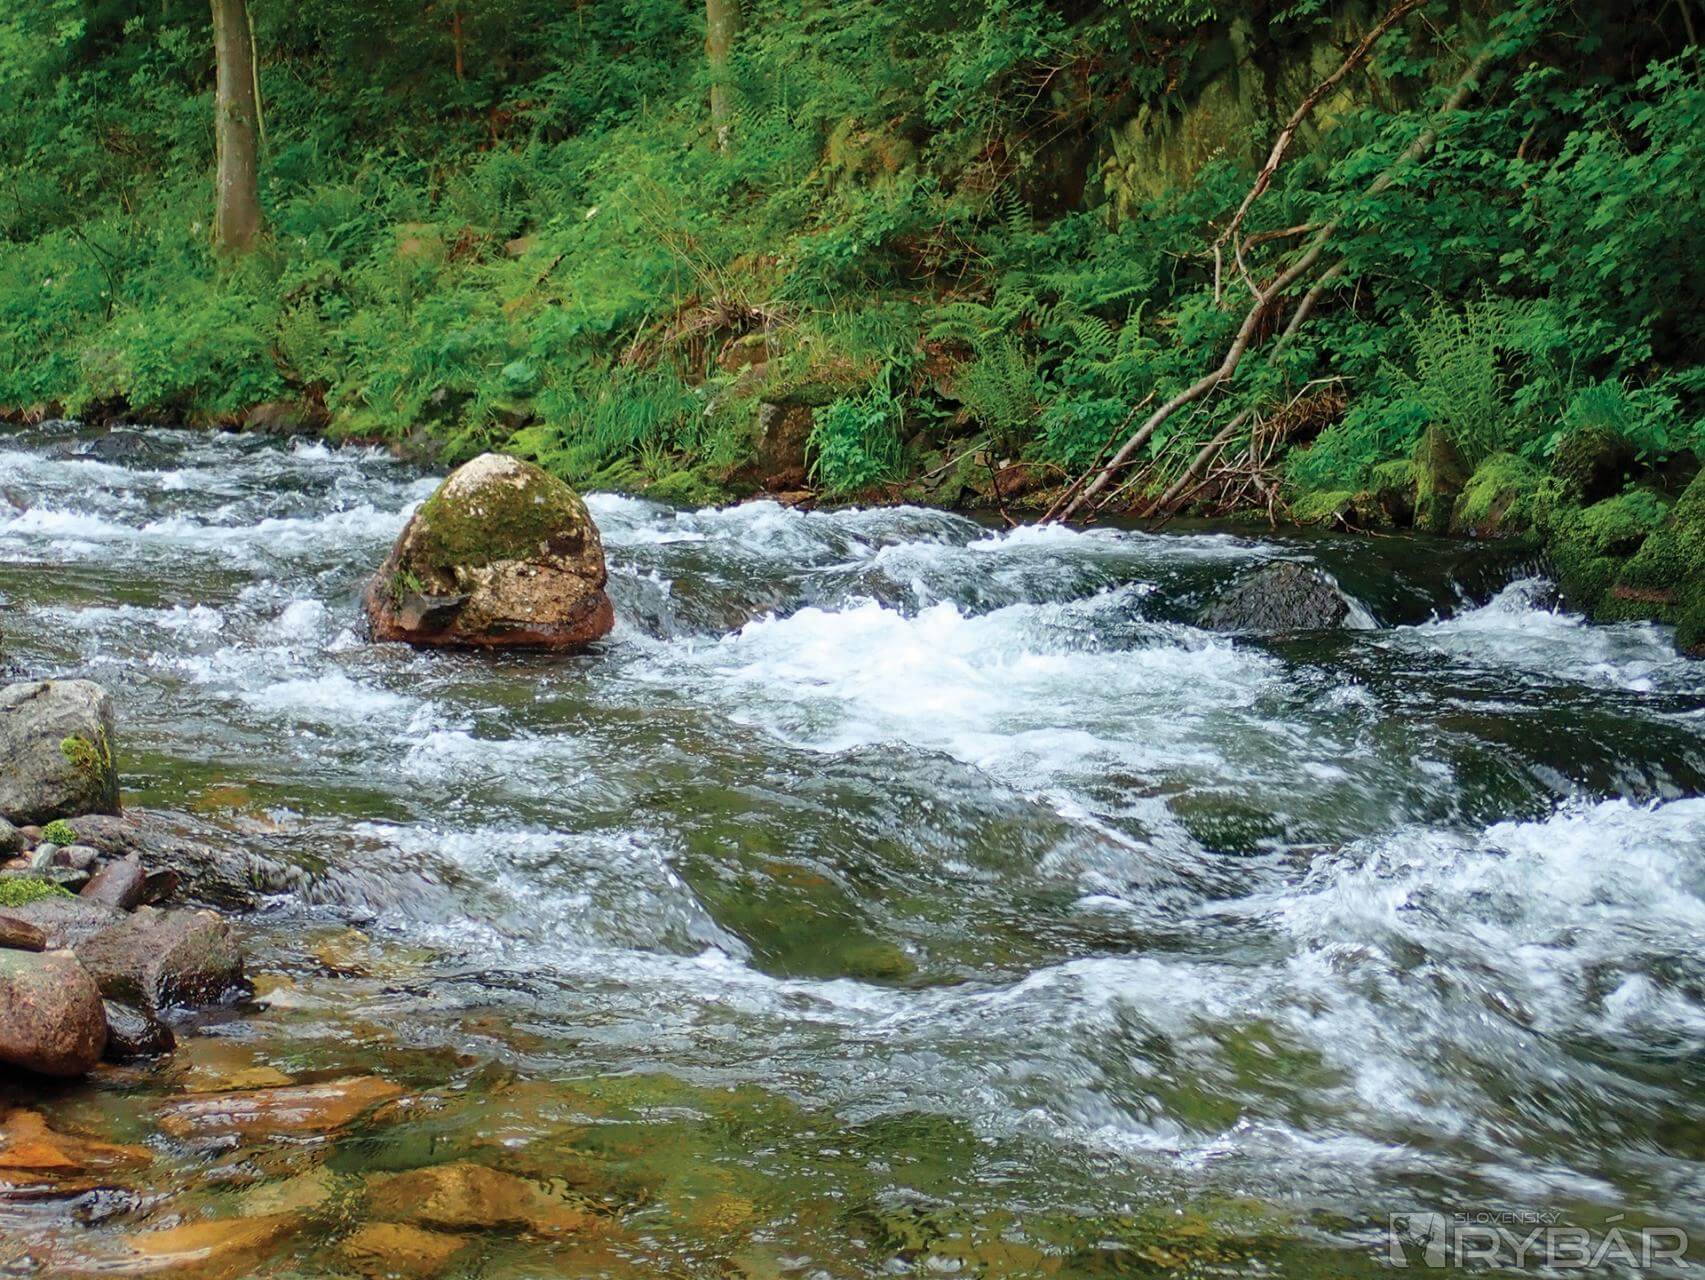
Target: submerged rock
[386, 1249]
[1275, 599]
[30, 1149]
[51, 1018]
[290, 1109]
[56, 755]
[503, 555]
[464, 1196]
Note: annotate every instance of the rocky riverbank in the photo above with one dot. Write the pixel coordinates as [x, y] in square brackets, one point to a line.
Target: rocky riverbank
[100, 947]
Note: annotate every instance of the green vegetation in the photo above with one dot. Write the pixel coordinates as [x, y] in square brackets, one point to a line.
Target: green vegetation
[956, 232]
[59, 832]
[20, 891]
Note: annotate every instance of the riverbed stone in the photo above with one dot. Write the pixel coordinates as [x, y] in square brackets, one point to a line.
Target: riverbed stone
[11, 839]
[386, 1249]
[464, 1196]
[503, 555]
[160, 959]
[31, 1149]
[111, 835]
[215, 1249]
[289, 1109]
[1276, 599]
[65, 920]
[134, 1033]
[51, 1019]
[56, 750]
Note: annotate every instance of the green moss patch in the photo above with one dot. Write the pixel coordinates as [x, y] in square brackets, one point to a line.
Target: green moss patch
[511, 518]
[1500, 499]
[22, 891]
[59, 832]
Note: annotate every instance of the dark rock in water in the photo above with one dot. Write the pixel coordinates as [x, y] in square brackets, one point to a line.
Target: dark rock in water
[56, 741]
[134, 1033]
[1275, 599]
[502, 556]
[51, 1019]
[157, 959]
[119, 884]
[118, 446]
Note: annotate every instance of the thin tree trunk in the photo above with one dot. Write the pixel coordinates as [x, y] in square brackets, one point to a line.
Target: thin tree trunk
[722, 25]
[236, 116]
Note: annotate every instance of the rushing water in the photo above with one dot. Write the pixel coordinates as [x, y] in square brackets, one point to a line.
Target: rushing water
[890, 894]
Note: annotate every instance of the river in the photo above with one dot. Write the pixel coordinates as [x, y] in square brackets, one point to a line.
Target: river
[892, 894]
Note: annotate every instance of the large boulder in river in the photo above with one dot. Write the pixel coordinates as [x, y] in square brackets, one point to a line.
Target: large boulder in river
[158, 960]
[56, 753]
[52, 1021]
[1275, 599]
[503, 555]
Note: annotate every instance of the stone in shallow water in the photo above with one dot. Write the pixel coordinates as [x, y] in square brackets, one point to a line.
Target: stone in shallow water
[51, 1018]
[134, 1033]
[292, 1109]
[30, 1150]
[503, 555]
[464, 1196]
[1275, 599]
[157, 959]
[385, 1249]
[212, 1250]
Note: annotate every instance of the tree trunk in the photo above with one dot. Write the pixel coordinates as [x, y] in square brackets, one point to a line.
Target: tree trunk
[722, 24]
[236, 117]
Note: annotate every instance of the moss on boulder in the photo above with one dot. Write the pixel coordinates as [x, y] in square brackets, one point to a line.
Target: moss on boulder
[1501, 498]
[1590, 546]
[503, 555]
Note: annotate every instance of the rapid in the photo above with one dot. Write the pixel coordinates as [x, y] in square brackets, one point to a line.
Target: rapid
[923, 896]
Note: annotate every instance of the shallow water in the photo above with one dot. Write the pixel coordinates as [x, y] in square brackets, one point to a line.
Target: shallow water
[891, 894]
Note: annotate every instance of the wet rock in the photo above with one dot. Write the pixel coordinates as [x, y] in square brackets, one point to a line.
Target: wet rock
[503, 555]
[56, 747]
[43, 855]
[133, 1033]
[291, 1109]
[20, 935]
[385, 1249]
[79, 857]
[158, 959]
[119, 884]
[66, 921]
[223, 1247]
[112, 836]
[471, 1197]
[118, 447]
[1276, 599]
[30, 1149]
[11, 839]
[51, 1019]
[66, 878]
[281, 418]
[218, 1065]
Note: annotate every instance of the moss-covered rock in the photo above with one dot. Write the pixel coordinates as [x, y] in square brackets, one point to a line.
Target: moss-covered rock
[1393, 486]
[1500, 499]
[24, 890]
[1664, 581]
[503, 555]
[1440, 476]
[1589, 547]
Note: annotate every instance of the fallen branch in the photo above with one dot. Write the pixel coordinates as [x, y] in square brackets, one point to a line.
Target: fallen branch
[1287, 135]
[1265, 298]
